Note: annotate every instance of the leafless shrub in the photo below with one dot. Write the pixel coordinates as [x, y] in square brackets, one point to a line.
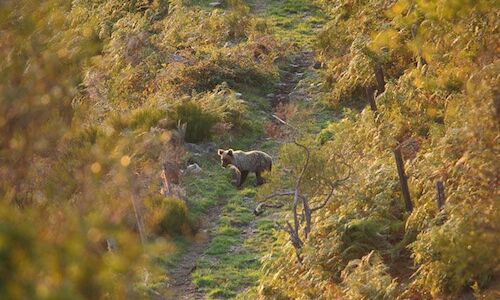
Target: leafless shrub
[301, 219]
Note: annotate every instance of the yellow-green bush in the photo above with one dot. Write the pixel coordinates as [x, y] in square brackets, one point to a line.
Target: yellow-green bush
[55, 254]
[367, 278]
[441, 78]
[171, 216]
[199, 122]
[146, 118]
[461, 252]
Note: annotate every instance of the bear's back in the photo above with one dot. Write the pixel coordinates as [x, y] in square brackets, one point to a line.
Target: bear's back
[253, 161]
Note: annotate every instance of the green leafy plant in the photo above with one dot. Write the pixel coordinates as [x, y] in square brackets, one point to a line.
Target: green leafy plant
[368, 278]
[171, 216]
[199, 122]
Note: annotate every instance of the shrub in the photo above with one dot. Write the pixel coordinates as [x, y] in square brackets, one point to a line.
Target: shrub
[199, 123]
[223, 103]
[367, 278]
[347, 238]
[171, 216]
[461, 252]
[237, 20]
[145, 118]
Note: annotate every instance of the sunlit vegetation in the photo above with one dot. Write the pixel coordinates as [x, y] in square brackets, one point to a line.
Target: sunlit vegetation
[436, 103]
[104, 106]
[89, 94]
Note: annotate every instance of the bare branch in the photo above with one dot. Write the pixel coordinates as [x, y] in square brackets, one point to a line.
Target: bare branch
[307, 215]
[284, 122]
[333, 185]
[261, 207]
[308, 156]
[277, 194]
[293, 231]
[325, 202]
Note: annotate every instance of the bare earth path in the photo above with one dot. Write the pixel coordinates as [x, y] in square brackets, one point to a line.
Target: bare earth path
[181, 281]
[181, 275]
[286, 90]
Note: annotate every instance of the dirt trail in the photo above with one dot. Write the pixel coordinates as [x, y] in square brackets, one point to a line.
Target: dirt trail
[286, 90]
[181, 282]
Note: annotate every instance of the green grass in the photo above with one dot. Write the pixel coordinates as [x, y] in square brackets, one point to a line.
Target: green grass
[171, 260]
[230, 266]
[210, 187]
[295, 20]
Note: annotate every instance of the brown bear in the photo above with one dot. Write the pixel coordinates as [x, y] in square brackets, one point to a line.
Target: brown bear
[245, 162]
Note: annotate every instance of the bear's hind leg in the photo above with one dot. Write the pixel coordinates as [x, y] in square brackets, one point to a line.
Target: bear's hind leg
[260, 180]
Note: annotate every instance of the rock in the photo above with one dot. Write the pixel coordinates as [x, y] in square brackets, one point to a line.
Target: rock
[111, 244]
[282, 97]
[194, 148]
[215, 4]
[200, 148]
[163, 123]
[229, 44]
[177, 58]
[193, 169]
[271, 95]
[238, 95]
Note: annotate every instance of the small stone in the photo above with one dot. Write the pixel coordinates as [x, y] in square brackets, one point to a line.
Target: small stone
[177, 58]
[200, 148]
[194, 148]
[238, 95]
[229, 44]
[318, 65]
[282, 97]
[193, 169]
[271, 95]
[215, 4]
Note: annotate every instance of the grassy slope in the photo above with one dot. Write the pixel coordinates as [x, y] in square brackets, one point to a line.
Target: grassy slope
[229, 267]
[230, 263]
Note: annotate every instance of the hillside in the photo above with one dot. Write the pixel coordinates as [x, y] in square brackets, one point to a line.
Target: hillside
[381, 117]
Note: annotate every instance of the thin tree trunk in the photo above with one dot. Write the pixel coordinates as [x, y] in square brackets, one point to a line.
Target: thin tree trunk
[403, 180]
[371, 99]
[440, 195]
[138, 219]
[379, 76]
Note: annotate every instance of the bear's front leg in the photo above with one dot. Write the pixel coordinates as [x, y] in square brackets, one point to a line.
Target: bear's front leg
[236, 181]
[243, 177]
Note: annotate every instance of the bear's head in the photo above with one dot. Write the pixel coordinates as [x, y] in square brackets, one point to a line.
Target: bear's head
[226, 157]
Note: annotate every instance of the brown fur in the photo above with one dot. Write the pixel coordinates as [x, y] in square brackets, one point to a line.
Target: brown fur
[251, 161]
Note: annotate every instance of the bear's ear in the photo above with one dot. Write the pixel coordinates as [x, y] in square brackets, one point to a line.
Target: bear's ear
[230, 152]
[220, 151]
